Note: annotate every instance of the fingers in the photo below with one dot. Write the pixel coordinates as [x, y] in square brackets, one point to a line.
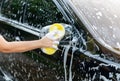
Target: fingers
[56, 42]
[55, 39]
[55, 47]
[51, 35]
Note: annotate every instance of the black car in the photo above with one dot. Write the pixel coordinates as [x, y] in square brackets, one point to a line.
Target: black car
[94, 23]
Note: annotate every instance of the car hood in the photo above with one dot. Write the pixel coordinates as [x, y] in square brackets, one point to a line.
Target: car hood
[101, 18]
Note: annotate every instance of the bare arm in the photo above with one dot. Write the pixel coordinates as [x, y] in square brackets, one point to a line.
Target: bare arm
[22, 46]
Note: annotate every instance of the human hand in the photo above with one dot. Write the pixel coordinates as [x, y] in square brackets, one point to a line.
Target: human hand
[49, 40]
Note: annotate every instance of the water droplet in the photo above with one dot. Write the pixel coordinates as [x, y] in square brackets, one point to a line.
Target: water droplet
[115, 16]
[99, 13]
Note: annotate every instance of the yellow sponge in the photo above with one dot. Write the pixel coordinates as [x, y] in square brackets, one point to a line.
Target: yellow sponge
[60, 33]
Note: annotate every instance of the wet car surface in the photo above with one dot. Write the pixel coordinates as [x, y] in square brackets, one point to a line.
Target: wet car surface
[101, 20]
[88, 64]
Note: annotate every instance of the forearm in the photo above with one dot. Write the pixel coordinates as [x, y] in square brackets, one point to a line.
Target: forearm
[21, 46]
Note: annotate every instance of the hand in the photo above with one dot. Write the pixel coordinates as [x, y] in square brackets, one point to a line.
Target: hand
[52, 35]
[49, 40]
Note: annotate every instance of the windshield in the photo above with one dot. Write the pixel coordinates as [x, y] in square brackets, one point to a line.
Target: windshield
[102, 19]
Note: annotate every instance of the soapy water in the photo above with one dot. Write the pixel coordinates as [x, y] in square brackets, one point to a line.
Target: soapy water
[76, 41]
[70, 39]
[65, 51]
[6, 76]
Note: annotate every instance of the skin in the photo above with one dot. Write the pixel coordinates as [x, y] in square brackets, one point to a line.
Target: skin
[23, 46]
